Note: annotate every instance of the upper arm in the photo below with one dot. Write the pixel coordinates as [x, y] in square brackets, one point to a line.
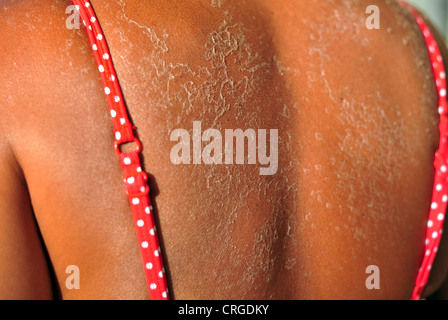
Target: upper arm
[23, 264]
[23, 267]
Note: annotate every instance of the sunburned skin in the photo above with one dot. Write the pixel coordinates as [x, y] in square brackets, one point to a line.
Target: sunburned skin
[356, 114]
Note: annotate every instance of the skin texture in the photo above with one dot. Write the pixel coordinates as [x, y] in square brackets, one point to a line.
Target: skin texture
[357, 117]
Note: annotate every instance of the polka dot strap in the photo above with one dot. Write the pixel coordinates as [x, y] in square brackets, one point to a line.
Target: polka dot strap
[440, 193]
[135, 179]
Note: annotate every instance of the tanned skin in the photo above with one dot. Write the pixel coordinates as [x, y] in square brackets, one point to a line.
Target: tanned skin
[356, 112]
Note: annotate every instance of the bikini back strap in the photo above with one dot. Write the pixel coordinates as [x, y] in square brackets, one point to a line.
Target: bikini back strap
[440, 192]
[135, 179]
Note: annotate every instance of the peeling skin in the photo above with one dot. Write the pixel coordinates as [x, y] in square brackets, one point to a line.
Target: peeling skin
[207, 89]
[216, 3]
[231, 74]
[356, 142]
[363, 130]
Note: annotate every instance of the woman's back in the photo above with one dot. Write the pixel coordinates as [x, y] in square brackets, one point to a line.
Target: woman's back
[348, 186]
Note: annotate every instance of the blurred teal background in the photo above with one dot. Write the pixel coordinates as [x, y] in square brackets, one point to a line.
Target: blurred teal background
[436, 10]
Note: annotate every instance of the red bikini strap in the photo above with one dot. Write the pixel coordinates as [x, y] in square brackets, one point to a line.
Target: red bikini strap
[440, 193]
[135, 179]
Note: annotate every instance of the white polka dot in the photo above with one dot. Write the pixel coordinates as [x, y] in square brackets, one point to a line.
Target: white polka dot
[112, 78]
[153, 286]
[113, 113]
[426, 241]
[131, 180]
[441, 110]
[439, 58]
[107, 90]
[434, 205]
[145, 244]
[127, 161]
[445, 198]
[140, 223]
[164, 294]
[93, 19]
[135, 201]
[87, 4]
[117, 135]
[156, 253]
[94, 47]
[432, 49]
[428, 252]
[442, 75]
[151, 232]
[160, 274]
[149, 266]
[99, 36]
[105, 56]
[101, 68]
[441, 217]
[117, 99]
[139, 169]
[435, 234]
[122, 121]
[147, 210]
[142, 189]
[436, 249]
[430, 224]
[90, 27]
[439, 187]
[443, 92]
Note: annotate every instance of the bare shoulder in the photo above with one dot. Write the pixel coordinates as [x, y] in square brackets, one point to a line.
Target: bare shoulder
[25, 77]
[40, 45]
[350, 103]
[45, 63]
